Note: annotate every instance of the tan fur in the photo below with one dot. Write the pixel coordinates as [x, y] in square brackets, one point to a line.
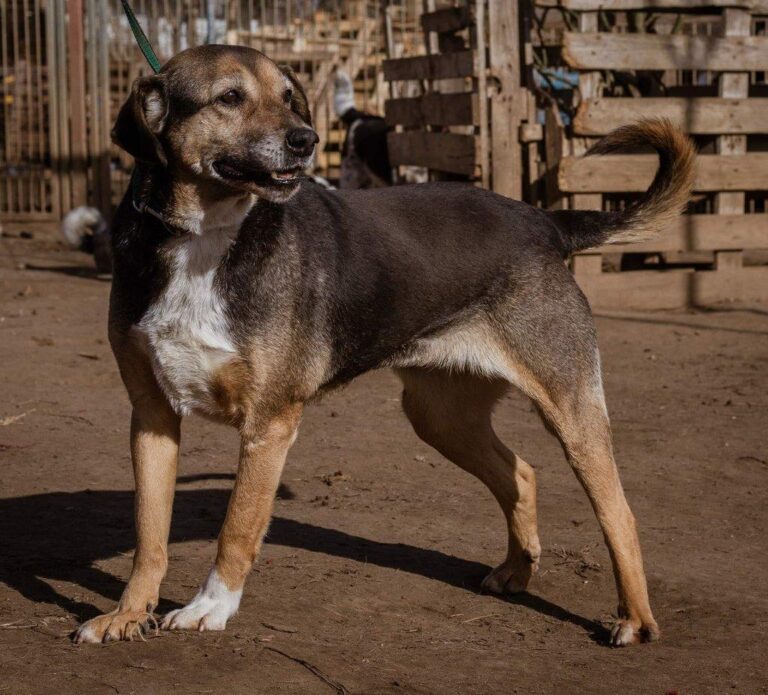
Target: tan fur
[452, 413]
[580, 421]
[155, 436]
[452, 378]
[670, 191]
[262, 456]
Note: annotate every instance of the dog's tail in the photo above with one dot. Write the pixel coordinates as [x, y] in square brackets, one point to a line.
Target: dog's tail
[660, 205]
[80, 225]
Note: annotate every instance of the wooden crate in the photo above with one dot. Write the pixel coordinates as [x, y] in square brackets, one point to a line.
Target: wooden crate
[724, 176]
[466, 106]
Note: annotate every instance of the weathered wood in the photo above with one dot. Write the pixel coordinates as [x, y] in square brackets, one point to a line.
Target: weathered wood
[704, 115]
[447, 152]
[705, 233]
[651, 290]
[760, 6]
[432, 109]
[634, 173]
[77, 99]
[507, 106]
[477, 35]
[430, 67]
[599, 51]
[736, 22]
[447, 20]
[554, 135]
[587, 264]
[729, 260]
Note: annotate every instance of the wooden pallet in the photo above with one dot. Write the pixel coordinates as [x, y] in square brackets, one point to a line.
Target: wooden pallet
[457, 127]
[726, 174]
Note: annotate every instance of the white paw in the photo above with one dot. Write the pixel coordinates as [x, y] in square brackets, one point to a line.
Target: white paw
[209, 610]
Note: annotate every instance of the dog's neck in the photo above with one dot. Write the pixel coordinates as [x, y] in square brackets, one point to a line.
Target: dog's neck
[187, 207]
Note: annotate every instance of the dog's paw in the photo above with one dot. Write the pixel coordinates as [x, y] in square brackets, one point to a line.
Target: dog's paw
[511, 576]
[209, 610]
[626, 632]
[115, 626]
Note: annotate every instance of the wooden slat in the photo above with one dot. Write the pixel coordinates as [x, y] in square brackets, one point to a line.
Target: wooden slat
[651, 290]
[447, 20]
[508, 105]
[599, 51]
[651, 5]
[448, 152]
[431, 67]
[704, 233]
[705, 115]
[432, 109]
[634, 173]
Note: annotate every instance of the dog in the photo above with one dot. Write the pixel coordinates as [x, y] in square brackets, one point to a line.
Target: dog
[364, 154]
[243, 293]
[85, 229]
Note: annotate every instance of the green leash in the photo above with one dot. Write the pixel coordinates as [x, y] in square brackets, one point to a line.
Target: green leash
[141, 38]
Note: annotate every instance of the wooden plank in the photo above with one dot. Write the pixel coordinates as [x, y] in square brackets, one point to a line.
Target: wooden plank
[447, 20]
[634, 173]
[431, 67]
[589, 88]
[477, 36]
[736, 22]
[432, 109]
[508, 106]
[745, 285]
[447, 152]
[704, 233]
[704, 115]
[77, 97]
[651, 5]
[651, 290]
[599, 51]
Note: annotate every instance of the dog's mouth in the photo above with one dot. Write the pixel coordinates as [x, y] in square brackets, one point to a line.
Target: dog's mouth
[248, 172]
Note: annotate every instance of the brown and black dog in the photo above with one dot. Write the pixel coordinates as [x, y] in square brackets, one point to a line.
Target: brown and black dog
[241, 293]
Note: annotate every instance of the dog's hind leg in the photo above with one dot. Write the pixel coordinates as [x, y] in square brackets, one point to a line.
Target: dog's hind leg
[263, 451]
[155, 435]
[452, 413]
[553, 352]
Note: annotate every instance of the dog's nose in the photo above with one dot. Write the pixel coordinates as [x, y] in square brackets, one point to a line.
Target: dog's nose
[301, 141]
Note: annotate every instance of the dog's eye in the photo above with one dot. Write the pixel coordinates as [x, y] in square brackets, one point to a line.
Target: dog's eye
[288, 95]
[231, 97]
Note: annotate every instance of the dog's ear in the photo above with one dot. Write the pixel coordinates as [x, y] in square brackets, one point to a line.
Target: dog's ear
[299, 102]
[141, 120]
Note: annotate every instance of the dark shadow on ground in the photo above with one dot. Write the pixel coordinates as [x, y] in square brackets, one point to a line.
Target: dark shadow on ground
[80, 271]
[659, 320]
[60, 536]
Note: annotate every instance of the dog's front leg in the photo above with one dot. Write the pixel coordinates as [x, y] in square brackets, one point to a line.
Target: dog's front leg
[262, 455]
[155, 434]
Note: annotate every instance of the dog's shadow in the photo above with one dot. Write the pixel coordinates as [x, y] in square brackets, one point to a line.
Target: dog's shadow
[61, 537]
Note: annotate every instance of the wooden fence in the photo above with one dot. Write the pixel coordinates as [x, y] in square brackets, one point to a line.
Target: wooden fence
[483, 105]
[462, 93]
[713, 85]
[505, 94]
[66, 66]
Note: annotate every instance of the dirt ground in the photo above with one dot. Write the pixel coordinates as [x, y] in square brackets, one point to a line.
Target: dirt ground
[370, 577]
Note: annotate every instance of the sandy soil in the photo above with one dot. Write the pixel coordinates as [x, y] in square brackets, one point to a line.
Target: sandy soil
[371, 572]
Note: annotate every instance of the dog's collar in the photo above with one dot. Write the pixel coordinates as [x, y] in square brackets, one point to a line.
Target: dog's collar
[140, 205]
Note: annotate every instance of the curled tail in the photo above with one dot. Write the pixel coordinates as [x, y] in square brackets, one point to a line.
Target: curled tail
[660, 205]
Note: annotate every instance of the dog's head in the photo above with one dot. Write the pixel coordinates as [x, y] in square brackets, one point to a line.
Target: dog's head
[222, 114]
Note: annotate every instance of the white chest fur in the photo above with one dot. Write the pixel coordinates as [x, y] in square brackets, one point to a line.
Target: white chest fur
[186, 330]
